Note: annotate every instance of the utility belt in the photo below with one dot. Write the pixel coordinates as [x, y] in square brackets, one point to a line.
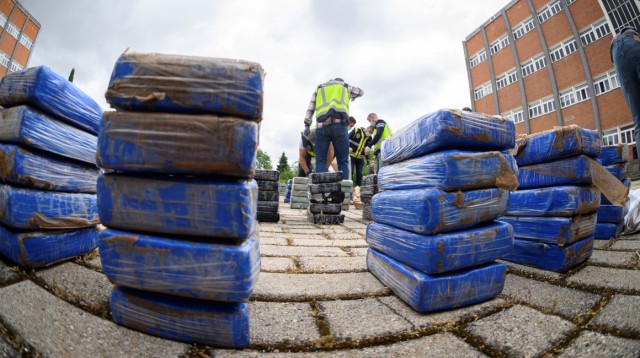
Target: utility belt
[330, 121]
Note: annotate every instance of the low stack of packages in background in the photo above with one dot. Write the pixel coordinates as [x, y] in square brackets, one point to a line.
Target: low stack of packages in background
[299, 199]
[268, 195]
[347, 187]
[611, 217]
[444, 181]
[553, 213]
[367, 191]
[326, 198]
[178, 197]
[48, 174]
[287, 195]
[282, 189]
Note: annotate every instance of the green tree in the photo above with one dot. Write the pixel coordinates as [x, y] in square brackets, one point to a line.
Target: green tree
[283, 165]
[263, 160]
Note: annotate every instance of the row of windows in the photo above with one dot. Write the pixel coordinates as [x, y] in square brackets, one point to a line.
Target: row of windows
[526, 26]
[482, 91]
[541, 107]
[549, 10]
[26, 41]
[624, 135]
[533, 65]
[516, 115]
[499, 44]
[622, 13]
[563, 50]
[4, 61]
[13, 30]
[479, 57]
[506, 79]
[594, 32]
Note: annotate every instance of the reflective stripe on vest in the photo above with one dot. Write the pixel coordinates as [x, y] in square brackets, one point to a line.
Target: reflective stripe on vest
[306, 143]
[361, 145]
[385, 133]
[334, 96]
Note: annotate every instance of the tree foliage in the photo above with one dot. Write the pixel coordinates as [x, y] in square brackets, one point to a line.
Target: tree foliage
[283, 165]
[263, 160]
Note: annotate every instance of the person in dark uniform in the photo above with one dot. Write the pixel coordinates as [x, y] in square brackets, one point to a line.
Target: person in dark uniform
[359, 139]
[307, 155]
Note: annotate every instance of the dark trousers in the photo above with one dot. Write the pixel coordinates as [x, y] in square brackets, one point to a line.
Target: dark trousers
[626, 57]
[356, 167]
[301, 173]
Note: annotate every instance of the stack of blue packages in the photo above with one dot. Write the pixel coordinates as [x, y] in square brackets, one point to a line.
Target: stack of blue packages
[434, 240]
[611, 217]
[268, 195]
[287, 195]
[178, 199]
[553, 213]
[48, 174]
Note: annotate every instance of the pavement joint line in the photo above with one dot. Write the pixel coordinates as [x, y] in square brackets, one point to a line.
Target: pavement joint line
[573, 319]
[17, 342]
[297, 264]
[477, 343]
[348, 251]
[326, 337]
[347, 297]
[563, 342]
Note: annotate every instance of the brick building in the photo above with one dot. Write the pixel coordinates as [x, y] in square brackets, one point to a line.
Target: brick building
[18, 36]
[546, 63]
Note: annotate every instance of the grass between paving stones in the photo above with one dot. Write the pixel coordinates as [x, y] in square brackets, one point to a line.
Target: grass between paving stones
[197, 351]
[19, 344]
[84, 260]
[21, 275]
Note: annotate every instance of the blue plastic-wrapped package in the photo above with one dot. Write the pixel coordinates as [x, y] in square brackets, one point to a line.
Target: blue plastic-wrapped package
[177, 143]
[613, 154]
[23, 208]
[219, 324]
[451, 170]
[215, 208]
[606, 231]
[38, 170]
[426, 293]
[567, 171]
[448, 129]
[180, 267]
[550, 257]
[34, 249]
[552, 230]
[51, 93]
[619, 170]
[557, 143]
[434, 211]
[185, 84]
[435, 254]
[29, 127]
[605, 201]
[610, 214]
[554, 201]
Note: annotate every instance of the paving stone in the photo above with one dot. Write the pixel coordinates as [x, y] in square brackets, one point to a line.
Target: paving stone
[270, 264]
[265, 227]
[626, 245]
[287, 251]
[346, 318]
[334, 243]
[611, 258]
[304, 231]
[354, 224]
[610, 278]
[272, 235]
[621, 313]
[531, 271]
[335, 229]
[9, 273]
[601, 244]
[280, 286]
[7, 350]
[273, 241]
[635, 236]
[521, 331]
[78, 284]
[56, 328]
[560, 300]
[272, 323]
[344, 236]
[595, 345]
[359, 251]
[333, 264]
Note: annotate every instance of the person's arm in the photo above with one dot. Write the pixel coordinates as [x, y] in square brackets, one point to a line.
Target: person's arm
[302, 160]
[379, 130]
[355, 92]
[310, 109]
[330, 155]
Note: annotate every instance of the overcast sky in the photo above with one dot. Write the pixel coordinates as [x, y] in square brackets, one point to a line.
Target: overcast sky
[407, 55]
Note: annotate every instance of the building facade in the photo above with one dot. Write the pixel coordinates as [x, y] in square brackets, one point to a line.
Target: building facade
[546, 63]
[17, 38]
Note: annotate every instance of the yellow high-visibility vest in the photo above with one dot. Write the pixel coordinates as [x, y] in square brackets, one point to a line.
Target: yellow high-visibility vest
[333, 96]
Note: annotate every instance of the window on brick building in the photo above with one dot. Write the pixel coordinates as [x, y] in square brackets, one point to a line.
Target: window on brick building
[541, 107]
[478, 58]
[562, 50]
[569, 2]
[506, 79]
[605, 83]
[13, 30]
[610, 137]
[526, 26]
[26, 41]
[3, 20]
[582, 93]
[15, 67]
[516, 115]
[549, 10]
[567, 98]
[533, 65]
[499, 44]
[4, 59]
[594, 32]
[622, 13]
[613, 75]
[627, 135]
[556, 53]
[482, 91]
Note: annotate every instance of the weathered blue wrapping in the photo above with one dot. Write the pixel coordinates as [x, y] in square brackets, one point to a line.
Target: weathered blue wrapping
[219, 324]
[552, 230]
[432, 211]
[180, 267]
[554, 201]
[426, 293]
[435, 254]
[34, 249]
[610, 214]
[215, 208]
[451, 170]
[568, 171]
[619, 170]
[51, 93]
[557, 143]
[613, 154]
[23, 208]
[38, 170]
[550, 257]
[603, 199]
[177, 143]
[448, 129]
[31, 128]
[186, 84]
[606, 231]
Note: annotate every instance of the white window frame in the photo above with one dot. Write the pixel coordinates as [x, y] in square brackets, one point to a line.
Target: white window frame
[499, 44]
[515, 115]
[506, 79]
[541, 107]
[567, 98]
[627, 135]
[594, 32]
[563, 49]
[26, 41]
[15, 67]
[482, 91]
[547, 11]
[477, 58]
[3, 20]
[569, 2]
[610, 137]
[13, 30]
[582, 93]
[524, 27]
[4, 59]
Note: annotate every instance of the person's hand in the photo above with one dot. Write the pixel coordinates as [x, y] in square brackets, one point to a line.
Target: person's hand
[367, 150]
[371, 165]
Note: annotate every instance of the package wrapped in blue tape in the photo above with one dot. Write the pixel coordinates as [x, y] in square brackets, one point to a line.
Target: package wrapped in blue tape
[613, 154]
[35, 249]
[435, 254]
[557, 143]
[568, 171]
[31, 128]
[432, 211]
[219, 324]
[177, 143]
[185, 84]
[51, 93]
[554, 201]
[180, 267]
[23, 208]
[36, 169]
[610, 214]
[451, 170]
[619, 170]
[605, 201]
[552, 230]
[448, 129]
[215, 208]
[550, 257]
[606, 231]
[426, 293]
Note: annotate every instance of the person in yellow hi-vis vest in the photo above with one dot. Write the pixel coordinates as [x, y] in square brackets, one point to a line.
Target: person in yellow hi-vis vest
[359, 138]
[307, 154]
[381, 131]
